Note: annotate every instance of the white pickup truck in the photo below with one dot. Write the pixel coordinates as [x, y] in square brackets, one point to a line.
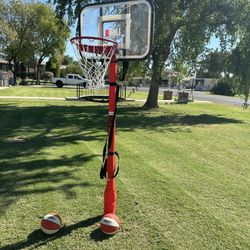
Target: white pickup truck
[71, 79]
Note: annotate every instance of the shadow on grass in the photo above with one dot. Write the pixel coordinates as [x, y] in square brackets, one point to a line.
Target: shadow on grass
[13, 186]
[43, 127]
[134, 117]
[92, 119]
[24, 155]
[38, 238]
[98, 235]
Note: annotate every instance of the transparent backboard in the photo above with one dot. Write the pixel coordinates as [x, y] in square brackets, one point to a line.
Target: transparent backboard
[129, 23]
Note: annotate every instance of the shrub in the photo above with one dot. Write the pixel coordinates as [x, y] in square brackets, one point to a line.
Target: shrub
[47, 75]
[73, 68]
[223, 87]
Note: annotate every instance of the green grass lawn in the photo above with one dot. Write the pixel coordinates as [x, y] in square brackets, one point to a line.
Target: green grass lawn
[183, 182]
[46, 91]
[138, 95]
[39, 91]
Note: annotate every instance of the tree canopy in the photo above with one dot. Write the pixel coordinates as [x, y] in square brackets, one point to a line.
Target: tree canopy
[49, 36]
[215, 64]
[72, 68]
[16, 25]
[30, 32]
[70, 8]
[240, 58]
[182, 29]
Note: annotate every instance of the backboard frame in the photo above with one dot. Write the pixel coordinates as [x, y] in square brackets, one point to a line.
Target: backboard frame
[124, 18]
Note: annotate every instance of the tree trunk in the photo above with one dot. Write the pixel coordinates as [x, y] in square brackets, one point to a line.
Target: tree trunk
[164, 35]
[152, 99]
[246, 88]
[14, 69]
[160, 55]
[38, 71]
[38, 74]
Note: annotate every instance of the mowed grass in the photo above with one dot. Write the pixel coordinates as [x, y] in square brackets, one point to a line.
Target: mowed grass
[50, 91]
[139, 95]
[54, 92]
[183, 182]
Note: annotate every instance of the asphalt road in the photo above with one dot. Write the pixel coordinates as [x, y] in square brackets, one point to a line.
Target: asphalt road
[204, 96]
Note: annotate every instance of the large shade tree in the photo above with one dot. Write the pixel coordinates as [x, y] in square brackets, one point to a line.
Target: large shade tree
[215, 64]
[241, 65]
[49, 35]
[16, 23]
[182, 27]
[70, 8]
[240, 58]
[30, 32]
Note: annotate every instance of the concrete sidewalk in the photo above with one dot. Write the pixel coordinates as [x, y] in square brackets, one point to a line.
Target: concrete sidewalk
[33, 98]
[169, 101]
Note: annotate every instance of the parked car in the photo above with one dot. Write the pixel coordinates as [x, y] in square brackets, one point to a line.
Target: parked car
[71, 79]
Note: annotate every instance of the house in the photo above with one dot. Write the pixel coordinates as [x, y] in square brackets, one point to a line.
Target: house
[204, 84]
[200, 84]
[5, 73]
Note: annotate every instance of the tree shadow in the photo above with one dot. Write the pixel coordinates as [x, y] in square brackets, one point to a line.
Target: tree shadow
[38, 238]
[139, 117]
[13, 186]
[87, 120]
[45, 120]
[25, 156]
[51, 126]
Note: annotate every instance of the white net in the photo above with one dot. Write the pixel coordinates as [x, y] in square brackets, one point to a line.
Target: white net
[94, 55]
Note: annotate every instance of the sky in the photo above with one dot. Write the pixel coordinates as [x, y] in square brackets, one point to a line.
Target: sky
[214, 44]
[69, 48]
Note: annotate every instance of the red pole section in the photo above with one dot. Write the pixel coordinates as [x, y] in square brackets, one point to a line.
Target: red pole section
[110, 190]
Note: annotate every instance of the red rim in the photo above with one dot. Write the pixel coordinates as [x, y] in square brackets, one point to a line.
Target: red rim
[94, 48]
[73, 40]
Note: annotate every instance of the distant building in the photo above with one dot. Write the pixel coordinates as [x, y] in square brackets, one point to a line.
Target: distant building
[200, 84]
[204, 84]
[5, 73]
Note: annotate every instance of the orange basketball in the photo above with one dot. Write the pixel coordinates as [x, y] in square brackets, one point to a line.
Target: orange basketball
[110, 224]
[51, 223]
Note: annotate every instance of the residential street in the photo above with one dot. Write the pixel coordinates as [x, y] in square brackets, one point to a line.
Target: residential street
[197, 95]
[204, 96]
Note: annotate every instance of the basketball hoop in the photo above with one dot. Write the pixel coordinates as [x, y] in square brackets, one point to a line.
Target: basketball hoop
[94, 55]
[110, 31]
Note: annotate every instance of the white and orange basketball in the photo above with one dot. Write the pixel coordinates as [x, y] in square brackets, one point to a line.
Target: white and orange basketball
[110, 224]
[51, 223]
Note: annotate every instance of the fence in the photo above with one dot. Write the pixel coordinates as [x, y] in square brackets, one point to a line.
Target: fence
[102, 93]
